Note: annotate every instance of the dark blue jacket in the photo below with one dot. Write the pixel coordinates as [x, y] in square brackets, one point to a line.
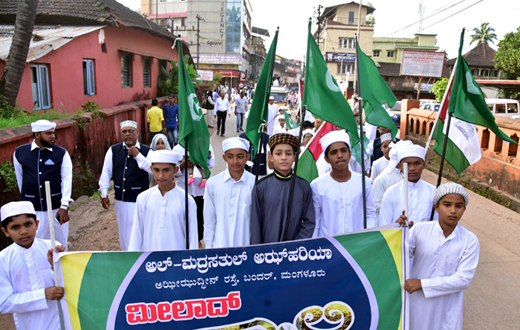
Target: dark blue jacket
[129, 179]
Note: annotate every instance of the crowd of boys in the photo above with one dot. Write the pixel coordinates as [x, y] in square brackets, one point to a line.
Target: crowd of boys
[237, 211]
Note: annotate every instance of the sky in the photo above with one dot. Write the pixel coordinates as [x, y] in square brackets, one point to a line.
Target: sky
[394, 18]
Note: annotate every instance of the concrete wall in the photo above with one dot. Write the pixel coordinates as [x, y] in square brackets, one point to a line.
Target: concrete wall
[66, 69]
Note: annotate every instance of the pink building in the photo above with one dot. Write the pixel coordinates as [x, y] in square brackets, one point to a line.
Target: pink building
[89, 50]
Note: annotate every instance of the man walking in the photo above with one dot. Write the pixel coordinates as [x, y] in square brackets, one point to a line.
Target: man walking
[240, 110]
[222, 107]
[171, 117]
[126, 164]
[40, 161]
[155, 119]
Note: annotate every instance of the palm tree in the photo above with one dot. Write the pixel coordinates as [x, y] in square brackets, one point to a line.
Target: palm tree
[483, 35]
[15, 66]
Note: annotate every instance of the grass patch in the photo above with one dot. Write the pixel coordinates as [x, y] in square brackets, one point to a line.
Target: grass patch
[21, 117]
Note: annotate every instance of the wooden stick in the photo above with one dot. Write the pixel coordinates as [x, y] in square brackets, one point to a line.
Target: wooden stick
[405, 188]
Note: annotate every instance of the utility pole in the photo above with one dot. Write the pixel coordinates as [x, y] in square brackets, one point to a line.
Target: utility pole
[358, 35]
[319, 19]
[199, 18]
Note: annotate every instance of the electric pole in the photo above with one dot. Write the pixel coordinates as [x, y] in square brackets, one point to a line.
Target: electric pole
[199, 18]
[319, 19]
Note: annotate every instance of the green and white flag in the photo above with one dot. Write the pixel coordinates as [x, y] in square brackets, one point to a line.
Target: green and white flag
[288, 120]
[191, 119]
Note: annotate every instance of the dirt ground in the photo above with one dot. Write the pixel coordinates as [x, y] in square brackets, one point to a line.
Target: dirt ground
[92, 228]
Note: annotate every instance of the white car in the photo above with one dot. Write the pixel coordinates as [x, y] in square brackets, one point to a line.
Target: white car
[503, 107]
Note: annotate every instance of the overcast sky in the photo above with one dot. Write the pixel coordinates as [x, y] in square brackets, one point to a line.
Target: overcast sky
[392, 20]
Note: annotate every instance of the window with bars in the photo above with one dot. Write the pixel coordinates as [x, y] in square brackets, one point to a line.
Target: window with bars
[347, 43]
[147, 81]
[345, 68]
[126, 70]
[350, 17]
[40, 86]
[89, 81]
[377, 53]
[390, 53]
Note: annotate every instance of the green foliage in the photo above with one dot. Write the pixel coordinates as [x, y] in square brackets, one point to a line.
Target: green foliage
[483, 35]
[21, 117]
[439, 88]
[168, 81]
[7, 173]
[91, 106]
[6, 110]
[507, 58]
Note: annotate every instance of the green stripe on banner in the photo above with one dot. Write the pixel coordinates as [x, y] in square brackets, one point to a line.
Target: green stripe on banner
[454, 155]
[387, 289]
[94, 299]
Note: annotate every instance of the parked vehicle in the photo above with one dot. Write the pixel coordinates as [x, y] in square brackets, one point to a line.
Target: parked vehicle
[430, 106]
[395, 115]
[280, 95]
[503, 107]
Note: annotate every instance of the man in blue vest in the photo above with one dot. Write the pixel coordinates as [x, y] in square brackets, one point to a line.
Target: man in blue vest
[40, 161]
[126, 164]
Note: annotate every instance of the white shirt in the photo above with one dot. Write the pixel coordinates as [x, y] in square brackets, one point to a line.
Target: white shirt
[445, 266]
[241, 103]
[420, 202]
[106, 173]
[222, 105]
[273, 111]
[279, 129]
[193, 189]
[276, 82]
[378, 167]
[339, 205]
[66, 174]
[24, 275]
[227, 206]
[160, 221]
[381, 185]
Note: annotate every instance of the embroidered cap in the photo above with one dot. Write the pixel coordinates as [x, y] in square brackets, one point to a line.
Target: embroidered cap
[283, 138]
[386, 137]
[128, 123]
[450, 188]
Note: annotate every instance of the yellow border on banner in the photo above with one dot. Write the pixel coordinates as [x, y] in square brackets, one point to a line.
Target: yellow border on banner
[73, 268]
[394, 240]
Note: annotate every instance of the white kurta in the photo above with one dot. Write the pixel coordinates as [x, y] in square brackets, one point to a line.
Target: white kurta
[445, 266]
[279, 129]
[160, 222]
[227, 206]
[272, 113]
[381, 185]
[378, 167]
[420, 202]
[193, 189]
[339, 205]
[24, 275]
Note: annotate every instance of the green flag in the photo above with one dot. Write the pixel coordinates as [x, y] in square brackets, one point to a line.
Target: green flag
[322, 94]
[191, 119]
[258, 106]
[467, 101]
[375, 92]
[288, 120]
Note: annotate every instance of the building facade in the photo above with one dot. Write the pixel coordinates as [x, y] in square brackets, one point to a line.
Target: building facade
[225, 36]
[390, 50]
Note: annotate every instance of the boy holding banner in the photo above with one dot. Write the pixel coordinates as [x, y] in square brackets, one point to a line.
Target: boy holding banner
[337, 195]
[26, 275]
[270, 198]
[420, 193]
[160, 219]
[445, 260]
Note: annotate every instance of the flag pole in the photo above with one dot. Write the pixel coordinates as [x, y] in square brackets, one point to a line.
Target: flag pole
[293, 180]
[50, 222]
[448, 90]
[361, 139]
[266, 110]
[186, 178]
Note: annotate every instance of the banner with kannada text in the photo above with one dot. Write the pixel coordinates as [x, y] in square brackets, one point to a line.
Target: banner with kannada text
[352, 281]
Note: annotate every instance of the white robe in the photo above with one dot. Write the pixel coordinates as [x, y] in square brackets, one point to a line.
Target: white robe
[160, 221]
[378, 167]
[445, 266]
[381, 185]
[272, 113]
[420, 202]
[24, 275]
[227, 208]
[193, 189]
[339, 205]
[279, 129]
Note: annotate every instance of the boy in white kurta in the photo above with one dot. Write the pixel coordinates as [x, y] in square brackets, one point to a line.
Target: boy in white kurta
[445, 260]
[337, 195]
[227, 200]
[26, 276]
[420, 193]
[160, 217]
[379, 165]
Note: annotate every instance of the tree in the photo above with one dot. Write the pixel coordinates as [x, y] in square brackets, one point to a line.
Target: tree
[507, 58]
[217, 77]
[168, 81]
[483, 35]
[439, 88]
[15, 66]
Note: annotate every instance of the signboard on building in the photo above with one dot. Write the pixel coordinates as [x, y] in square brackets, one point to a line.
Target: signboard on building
[205, 75]
[339, 57]
[422, 64]
[219, 58]
[243, 76]
[424, 87]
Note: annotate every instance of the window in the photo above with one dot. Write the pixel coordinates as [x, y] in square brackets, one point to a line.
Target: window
[473, 72]
[347, 68]
[486, 73]
[147, 72]
[348, 43]
[126, 70]
[377, 53]
[89, 81]
[495, 73]
[350, 17]
[511, 108]
[390, 53]
[40, 86]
